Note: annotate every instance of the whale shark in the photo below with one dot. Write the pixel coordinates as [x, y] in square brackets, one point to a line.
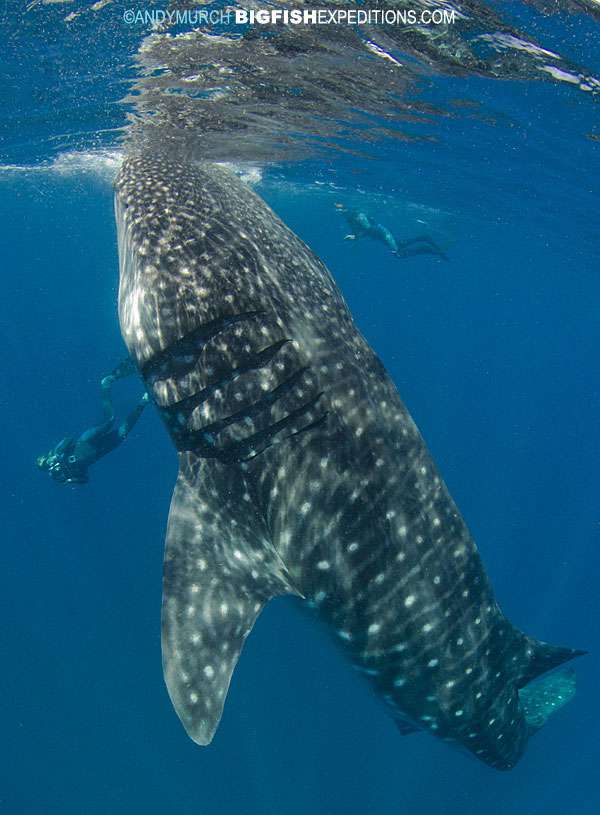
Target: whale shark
[301, 472]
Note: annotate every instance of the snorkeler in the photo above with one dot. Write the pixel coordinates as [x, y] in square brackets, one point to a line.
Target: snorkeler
[68, 462]
[363, 225]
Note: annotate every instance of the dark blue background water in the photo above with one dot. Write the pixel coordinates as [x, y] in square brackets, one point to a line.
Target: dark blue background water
[495, 354]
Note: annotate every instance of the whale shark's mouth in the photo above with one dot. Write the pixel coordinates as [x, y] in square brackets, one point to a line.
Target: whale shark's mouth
[241, 434]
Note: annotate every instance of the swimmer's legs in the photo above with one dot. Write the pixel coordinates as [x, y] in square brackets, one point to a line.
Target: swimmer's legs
[128, 424]
[422, 245]
[108, 410]
[124, 368]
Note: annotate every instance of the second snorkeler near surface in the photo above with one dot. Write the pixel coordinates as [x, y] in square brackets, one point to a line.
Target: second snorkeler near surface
[363, 225]
[68, 462]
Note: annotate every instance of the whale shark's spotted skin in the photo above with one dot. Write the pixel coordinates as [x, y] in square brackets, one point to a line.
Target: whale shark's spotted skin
[300, 471]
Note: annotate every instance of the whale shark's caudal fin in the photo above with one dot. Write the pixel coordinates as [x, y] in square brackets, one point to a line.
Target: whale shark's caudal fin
[541, 657]
[219, 573]
[543, 697]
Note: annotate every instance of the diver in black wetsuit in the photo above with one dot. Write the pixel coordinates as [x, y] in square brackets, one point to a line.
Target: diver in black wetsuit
[68, 462]
[363, 225]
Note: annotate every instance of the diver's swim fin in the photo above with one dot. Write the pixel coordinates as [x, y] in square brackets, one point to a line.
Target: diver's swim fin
[125, 368]
[406, 728]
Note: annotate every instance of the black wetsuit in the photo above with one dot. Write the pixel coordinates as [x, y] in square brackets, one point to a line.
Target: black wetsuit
[69, 461]
[363, 225]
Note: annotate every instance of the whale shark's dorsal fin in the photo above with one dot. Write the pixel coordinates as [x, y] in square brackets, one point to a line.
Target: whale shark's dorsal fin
[218, 575]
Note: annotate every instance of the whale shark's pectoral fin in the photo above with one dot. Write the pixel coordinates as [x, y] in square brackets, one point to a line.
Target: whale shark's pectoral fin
[219, 573]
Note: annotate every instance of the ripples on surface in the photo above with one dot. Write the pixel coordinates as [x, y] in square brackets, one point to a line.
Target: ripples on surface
[260, 93]
[282, 91]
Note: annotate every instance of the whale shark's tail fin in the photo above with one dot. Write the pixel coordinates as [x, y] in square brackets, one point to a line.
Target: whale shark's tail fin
[540, 657]
[543, 697]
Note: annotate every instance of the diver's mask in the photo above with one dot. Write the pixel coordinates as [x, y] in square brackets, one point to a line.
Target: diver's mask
[64, 471]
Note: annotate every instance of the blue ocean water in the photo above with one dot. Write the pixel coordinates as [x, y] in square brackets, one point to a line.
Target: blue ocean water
[494, 353]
